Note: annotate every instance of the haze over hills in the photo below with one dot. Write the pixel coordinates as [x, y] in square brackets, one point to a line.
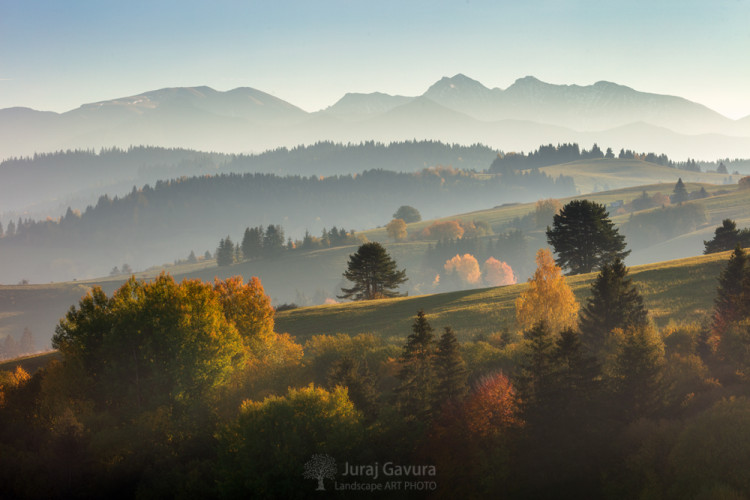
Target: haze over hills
[457, 109]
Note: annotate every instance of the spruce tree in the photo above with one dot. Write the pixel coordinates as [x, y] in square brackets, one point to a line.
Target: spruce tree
[450, 369]
[614, 303]
[417, 380]
[730, 303]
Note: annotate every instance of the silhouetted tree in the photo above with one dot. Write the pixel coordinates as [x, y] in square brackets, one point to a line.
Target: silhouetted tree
[584, 238]
[373, 273]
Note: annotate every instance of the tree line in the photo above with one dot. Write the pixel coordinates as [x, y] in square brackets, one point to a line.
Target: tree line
[549, 154]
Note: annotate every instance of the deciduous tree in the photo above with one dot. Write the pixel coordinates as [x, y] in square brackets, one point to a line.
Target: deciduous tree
[396, 229]
[548, 298]
[466, 269]
[497, 273]
[408, 214]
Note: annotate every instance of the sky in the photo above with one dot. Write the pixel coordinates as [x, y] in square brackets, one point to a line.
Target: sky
[55, 55]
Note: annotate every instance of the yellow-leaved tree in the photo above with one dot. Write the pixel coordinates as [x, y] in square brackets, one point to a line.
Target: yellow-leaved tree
[396, 230]
[548, 297]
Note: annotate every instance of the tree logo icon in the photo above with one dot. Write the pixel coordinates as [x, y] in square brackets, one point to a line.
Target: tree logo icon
[320, 467]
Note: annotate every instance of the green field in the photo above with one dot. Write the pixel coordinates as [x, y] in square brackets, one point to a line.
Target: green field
[680, 291]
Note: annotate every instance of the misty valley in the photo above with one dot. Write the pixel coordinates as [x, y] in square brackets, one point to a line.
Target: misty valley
[468, 293]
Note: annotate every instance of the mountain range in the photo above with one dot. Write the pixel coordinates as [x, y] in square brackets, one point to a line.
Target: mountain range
[456, 110]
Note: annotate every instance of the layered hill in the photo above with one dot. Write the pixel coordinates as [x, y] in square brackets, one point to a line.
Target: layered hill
[456, 109]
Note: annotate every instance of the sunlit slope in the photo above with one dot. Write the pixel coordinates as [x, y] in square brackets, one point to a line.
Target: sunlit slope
[603, 175]
[678, 290]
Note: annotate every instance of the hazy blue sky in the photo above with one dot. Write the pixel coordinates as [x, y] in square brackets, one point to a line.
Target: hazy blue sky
[56, 55]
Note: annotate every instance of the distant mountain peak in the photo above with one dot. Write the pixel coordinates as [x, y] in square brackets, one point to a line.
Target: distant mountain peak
[457, 82]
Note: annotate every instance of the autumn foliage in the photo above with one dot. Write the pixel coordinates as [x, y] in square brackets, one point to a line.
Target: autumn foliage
[444, 230]
[466, 268]
[497, 273]
[396, 229]
[548, 297]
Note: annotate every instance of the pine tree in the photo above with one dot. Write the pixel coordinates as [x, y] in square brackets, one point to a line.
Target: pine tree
[730, 303]
[415, 391]
[373, 273]
[614, 303]
[450, 369]
[584, 238]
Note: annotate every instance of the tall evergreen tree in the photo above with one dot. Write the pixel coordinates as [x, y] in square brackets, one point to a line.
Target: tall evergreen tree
[373, 273]
[225, 252]
[637, 373]
[536, 370]
[450, 369]
[614, 303]
[417, 376]
[733, 292]
[584, 238]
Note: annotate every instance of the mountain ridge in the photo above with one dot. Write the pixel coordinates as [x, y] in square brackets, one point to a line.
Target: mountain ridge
[245, 119]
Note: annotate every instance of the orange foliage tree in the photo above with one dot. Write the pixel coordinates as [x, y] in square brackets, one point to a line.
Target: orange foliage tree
[466, 268]
[497, 273]
[444, 230]
[247, 307]
[548, 297]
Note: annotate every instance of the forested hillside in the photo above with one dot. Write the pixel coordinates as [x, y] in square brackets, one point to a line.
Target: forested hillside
[44, 182]
[162, 223]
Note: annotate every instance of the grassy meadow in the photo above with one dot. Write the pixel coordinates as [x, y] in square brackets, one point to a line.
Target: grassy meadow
[675, 291]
